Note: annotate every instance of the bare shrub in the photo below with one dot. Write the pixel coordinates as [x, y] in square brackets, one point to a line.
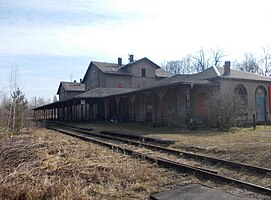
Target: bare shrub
[226, 109]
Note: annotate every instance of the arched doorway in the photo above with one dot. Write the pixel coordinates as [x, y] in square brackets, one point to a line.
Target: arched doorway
[124, 109]
[148, 108]
[113, 109]
[260, 103]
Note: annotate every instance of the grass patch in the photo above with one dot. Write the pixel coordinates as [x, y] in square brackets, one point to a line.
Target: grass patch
[240, 144]
[243, 145]
[42, 164]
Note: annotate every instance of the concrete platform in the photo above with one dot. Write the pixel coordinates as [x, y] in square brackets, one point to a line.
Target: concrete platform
[195, 192]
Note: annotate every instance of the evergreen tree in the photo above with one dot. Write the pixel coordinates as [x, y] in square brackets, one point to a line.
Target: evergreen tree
[18, 109]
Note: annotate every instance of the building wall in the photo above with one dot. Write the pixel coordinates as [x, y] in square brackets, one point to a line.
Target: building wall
[96, 78]
[93, 78]
[178, 106]
[101, 79]
[137, 80]
[174, 106]
[199, 103]
[112, 80]
[65, 95]
[251, 87]
[62, 94]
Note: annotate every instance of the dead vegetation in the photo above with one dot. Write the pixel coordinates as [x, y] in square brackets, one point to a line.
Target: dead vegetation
[243, 145]
[240, 144]
[46, 165]
[42, 164]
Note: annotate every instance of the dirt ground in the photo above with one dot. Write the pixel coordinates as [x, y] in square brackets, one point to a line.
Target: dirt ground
[42, 164]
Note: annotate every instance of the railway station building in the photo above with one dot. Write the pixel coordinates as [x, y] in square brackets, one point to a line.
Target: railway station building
[142, 91]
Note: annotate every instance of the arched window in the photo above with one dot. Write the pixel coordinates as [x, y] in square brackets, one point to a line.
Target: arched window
[260, 91]
[241, 91]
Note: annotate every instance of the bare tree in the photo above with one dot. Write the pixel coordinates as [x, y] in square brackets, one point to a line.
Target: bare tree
[204, 59]
[187, 64]
[249, 64]
[15, 104]
[10, 104]
[226, 108]
[266, 61]
[183, 66]
[217, 55]
[201, 60]
[172, 66]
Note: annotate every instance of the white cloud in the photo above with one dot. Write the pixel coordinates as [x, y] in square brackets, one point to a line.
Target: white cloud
[107, 29]
[169, 28]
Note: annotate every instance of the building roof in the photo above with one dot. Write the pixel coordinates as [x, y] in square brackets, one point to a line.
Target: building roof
[206, 77]
[113, 68]
[195, 79]
[140, 60]
[110, 68]
[103, 92]
[236, 74]
[161, 73]
[71, 87]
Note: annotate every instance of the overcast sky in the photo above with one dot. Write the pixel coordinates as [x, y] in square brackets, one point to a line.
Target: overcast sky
[55, 40]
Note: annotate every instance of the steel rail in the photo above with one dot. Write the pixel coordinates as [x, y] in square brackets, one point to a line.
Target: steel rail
[165, 162]
[232, 164]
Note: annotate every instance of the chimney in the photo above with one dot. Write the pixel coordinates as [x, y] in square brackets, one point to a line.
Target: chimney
[227, 68]
[119, 62]
[81, 80]
[131, 58]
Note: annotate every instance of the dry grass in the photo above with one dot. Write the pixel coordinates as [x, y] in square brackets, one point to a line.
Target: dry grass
[243, 144]
[41, 164]
[45, 165]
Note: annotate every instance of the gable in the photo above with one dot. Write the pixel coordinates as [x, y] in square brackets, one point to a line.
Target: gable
[142, 61]
[71, 87]
[106, 68]
[87, 72]
[144, 65]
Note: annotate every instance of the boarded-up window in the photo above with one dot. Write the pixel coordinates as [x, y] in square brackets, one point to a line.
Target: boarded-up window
[138, 85]
[120, 85]
[201, 105]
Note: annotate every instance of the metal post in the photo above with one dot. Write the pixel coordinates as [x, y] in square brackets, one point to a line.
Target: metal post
[254, 121]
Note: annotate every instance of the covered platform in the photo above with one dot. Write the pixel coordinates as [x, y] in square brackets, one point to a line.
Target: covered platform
[170, 101]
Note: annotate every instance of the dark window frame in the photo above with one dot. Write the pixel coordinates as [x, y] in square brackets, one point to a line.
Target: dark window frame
[143, 72]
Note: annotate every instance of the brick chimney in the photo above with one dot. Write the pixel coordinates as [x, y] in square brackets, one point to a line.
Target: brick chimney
[131, 58]
[227, 68]
[119, 62]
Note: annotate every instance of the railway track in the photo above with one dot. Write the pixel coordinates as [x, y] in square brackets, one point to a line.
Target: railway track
[200, 165]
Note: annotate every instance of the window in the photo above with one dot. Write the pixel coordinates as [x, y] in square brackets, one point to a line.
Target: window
[241, 91]
[143, 72]
[120, 85]
[138, 85]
